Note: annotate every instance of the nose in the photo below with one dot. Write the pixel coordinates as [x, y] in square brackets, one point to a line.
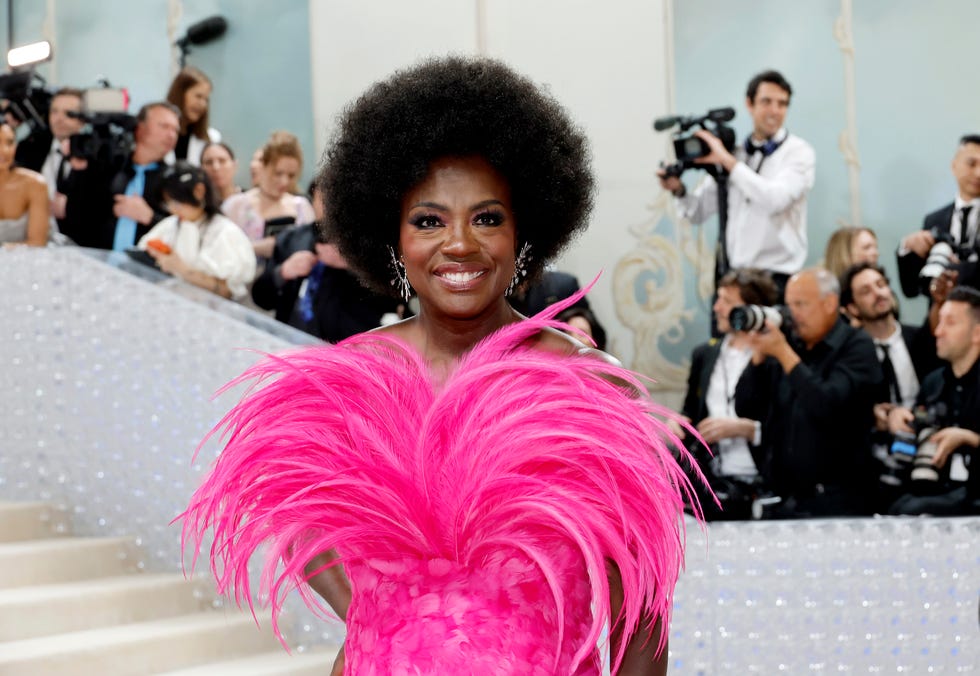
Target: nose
[459, 241]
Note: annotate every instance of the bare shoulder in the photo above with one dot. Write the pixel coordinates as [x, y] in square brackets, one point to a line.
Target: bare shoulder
[553, 340]
[32, 180]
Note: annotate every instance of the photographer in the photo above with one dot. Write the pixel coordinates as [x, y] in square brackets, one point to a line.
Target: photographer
[952, 395]
[770, 176]
[814, 394]
[956, 222]
[716, 367]
[112, 204]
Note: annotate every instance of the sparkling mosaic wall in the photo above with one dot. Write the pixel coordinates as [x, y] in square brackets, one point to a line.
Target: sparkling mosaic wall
[106, 383]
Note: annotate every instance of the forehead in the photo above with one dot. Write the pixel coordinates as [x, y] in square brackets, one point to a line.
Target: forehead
[6, 131]
[730, 292]
[160, 115]
[866, 277]
[954, 309]
[968, 151]
[771, 91]
[455, 173]
[802, 289]
[216, 152]
[66, 101]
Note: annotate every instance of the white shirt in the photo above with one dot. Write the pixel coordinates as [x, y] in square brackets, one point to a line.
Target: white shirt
[734, 457]
[217, 247]
[908, 382]
[956, 228]
[766, 210]
[49, 170]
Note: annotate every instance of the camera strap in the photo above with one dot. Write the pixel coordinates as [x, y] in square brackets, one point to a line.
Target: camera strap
[767, 148]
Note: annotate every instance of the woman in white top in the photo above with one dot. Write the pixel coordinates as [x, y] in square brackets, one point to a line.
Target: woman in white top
[191, 93]
[274, 203]
[24, 204]
[202, 247]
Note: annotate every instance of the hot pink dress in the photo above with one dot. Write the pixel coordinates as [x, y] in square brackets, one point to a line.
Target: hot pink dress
[475, 519]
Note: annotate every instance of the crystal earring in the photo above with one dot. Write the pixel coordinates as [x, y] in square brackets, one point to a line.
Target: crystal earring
[520, 268]
[400, 280]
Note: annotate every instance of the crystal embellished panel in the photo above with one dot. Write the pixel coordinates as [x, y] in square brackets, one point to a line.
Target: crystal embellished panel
[107, 374]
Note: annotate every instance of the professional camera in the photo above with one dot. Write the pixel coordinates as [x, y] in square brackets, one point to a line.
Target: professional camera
[944, 255]
[917, 450]
[27, 98]
[687, 146]
[108, 137]
[753, 317]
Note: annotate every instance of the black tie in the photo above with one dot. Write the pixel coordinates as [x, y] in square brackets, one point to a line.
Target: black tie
[891, 380]
[965, 237]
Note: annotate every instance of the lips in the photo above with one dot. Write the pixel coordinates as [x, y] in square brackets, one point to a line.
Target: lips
[460, 277]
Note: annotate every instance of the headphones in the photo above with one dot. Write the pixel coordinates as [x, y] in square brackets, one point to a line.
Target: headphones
[767, 148]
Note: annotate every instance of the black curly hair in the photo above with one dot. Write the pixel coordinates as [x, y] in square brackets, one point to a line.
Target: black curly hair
[452, 107]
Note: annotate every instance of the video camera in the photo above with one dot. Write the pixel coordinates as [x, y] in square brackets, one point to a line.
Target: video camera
[687, 146]
[28, 97]
[108, 138]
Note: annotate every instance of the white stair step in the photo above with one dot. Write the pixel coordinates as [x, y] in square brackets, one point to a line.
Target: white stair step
[66, 559]
[26, 612]
[31, 520]
[316, 663]
[136, 649]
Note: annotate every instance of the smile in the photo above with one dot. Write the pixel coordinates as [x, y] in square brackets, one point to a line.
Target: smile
[460, 279]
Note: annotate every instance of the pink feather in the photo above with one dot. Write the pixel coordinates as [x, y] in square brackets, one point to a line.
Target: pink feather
[523, 474]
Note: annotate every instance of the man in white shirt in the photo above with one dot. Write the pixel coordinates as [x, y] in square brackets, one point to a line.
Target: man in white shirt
[959, 220]
[770, 176]
[56, 166]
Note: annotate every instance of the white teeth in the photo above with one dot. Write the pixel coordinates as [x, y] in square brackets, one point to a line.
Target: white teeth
[460, 277]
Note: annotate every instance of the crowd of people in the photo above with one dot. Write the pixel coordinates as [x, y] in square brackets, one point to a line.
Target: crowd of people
[813, 398]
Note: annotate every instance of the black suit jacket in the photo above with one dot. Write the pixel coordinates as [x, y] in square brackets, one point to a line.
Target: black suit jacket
[33, 150]
[911, 263]
[90, 193]
[342, 306]
[551, 288]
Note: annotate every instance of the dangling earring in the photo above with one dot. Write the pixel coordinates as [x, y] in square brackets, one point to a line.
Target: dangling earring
[520, 268]
[401, 277]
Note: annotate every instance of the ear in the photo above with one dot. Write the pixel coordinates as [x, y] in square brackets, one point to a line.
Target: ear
[748, 103]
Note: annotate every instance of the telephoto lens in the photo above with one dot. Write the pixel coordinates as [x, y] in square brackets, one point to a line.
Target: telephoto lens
[753, 317]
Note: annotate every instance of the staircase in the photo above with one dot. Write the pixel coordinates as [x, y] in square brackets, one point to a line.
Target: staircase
[79, 606]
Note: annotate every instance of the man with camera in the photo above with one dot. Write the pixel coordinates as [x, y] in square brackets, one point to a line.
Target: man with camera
[732, 468]
[770, 176]
[947, 232]
[112, 203]
[813, 392]
[945, 422]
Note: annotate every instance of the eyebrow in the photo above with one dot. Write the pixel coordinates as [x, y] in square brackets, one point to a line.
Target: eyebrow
[440, 207]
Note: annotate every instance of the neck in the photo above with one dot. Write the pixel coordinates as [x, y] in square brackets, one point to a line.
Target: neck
[443, 340]
[962, 365]
[880, 329]
[738, 341]
[967, 198]
[142, 155]
[267, 197]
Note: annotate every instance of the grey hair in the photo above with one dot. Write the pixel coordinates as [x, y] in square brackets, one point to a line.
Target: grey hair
[827, 283]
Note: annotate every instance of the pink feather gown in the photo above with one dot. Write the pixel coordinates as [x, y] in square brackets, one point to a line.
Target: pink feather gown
[474, 519]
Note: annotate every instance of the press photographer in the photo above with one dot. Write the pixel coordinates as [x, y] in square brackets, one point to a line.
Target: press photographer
[114, 196]
[769, 177]
[814, 394]
[948, 240]
[944, 483]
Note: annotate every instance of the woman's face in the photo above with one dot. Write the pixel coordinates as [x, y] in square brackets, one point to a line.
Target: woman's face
[864, 248]
[458, 238]
[8, 146]
[219, 165]
[278, 177]
[196, 102]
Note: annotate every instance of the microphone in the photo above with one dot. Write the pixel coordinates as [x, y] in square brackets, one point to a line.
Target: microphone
[204, 31]
[721, 114]
[664, 123]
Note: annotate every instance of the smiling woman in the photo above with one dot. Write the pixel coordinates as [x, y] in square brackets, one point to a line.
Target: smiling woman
[468, 450]
[23, 197]
[191, 93]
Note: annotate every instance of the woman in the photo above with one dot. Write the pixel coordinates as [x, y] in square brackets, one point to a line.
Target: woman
[191, 93]
[202, 247]
[850, 245]
[24, 206]
[273, 205]
[218, 162]
[485, 480]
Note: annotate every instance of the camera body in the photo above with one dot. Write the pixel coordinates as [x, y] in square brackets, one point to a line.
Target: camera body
[687, 146]
[753, 317]
[941, 258]
[914, 452]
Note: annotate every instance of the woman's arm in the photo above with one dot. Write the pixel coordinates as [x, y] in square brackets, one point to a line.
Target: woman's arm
[641, 657]
[331, 583]
[38, 212]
